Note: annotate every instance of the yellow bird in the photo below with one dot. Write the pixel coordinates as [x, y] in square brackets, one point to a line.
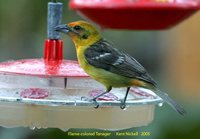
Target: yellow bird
[108, 65]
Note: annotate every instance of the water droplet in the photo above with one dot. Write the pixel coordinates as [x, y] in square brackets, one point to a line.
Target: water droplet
[39, 127]
[75, 103]
[32, 127]
[160, 104]
[64, 129]
[125, 108]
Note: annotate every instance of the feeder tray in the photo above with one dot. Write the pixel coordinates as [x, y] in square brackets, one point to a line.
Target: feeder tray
[136, 14]
[63, 108]
[45, 93]
[33, 94]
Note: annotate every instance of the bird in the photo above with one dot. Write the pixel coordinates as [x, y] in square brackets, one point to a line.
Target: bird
[108, 65]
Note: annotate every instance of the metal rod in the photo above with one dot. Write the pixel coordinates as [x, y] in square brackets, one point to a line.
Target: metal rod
[54, 19]
[61, 102]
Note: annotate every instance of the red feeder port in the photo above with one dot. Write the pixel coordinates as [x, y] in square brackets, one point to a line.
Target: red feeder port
[34, 93]
[53, 50]
[136, 14]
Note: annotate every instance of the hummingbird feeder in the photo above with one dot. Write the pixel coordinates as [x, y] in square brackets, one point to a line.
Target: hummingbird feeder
[136, 14]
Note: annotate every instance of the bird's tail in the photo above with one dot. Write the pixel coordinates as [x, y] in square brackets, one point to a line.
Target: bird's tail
[171, 102]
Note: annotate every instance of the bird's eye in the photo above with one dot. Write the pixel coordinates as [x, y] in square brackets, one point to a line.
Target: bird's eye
[77, 28]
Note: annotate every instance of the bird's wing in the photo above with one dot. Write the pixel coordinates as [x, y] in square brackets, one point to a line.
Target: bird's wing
[103, 55]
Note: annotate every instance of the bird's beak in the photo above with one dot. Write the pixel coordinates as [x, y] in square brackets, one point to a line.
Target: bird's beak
[63, 28]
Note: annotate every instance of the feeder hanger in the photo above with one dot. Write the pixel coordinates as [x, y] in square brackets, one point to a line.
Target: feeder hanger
[53, 45]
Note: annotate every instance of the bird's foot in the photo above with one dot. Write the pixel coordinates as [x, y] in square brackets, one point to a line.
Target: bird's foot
[123, 104]
[94, 101]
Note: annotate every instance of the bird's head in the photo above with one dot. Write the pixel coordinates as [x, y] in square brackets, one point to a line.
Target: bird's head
[82, 33]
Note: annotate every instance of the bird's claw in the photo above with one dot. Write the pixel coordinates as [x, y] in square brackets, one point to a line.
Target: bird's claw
[94, 101]
[123, 104]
